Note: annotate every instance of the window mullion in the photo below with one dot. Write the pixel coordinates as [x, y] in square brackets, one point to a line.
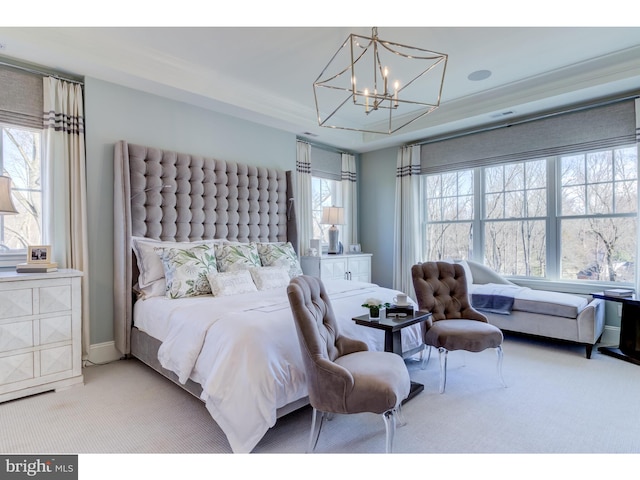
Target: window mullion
[478, 216]
[554, 191]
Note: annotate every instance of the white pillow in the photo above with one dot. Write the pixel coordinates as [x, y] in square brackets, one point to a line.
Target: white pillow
[240, 256]
[267, 278]
[149, 263]
[231, 283]
[280, 254]
[186, 270]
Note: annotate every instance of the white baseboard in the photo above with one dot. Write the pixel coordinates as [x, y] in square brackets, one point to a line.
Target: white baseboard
[610, 336]
[102, 353]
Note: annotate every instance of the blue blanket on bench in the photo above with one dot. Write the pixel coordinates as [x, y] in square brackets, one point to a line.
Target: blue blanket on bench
[492, 303]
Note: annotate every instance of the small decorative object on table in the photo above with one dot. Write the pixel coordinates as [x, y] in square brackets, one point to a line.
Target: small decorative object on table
[374, 305]
[400, 311]
[38, 260]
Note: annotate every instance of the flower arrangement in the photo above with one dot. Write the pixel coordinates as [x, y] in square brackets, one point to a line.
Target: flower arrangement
[374, 305]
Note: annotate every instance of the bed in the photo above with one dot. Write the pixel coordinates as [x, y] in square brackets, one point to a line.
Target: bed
[187, 223]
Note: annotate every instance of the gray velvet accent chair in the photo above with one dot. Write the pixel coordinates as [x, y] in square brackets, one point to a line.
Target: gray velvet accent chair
[441, 288]
[343, 376]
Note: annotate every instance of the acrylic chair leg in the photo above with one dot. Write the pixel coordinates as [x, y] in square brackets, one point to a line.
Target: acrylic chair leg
[401, 419]
[500, 356]
[390, 426]
[316, 426]
[425, 361]
[443, 368]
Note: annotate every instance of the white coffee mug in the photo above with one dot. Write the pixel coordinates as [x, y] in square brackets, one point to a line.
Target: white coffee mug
[400, 299]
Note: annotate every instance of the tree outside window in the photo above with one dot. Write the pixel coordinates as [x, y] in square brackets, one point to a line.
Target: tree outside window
[592, 217]
[20, 160]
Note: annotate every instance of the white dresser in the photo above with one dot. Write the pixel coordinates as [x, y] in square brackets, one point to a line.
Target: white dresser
[40, 332]
[352, 266]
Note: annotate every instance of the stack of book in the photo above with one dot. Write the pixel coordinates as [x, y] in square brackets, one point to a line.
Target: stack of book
[37, 267]
[619, 292]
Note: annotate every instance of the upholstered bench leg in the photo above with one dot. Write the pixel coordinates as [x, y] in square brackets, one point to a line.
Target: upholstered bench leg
[589, 350]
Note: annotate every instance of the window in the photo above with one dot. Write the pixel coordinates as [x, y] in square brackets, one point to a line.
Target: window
[566, 217]
[449, 211]
[20, 160]
[598, 215]
[514, 218]
[326, 192]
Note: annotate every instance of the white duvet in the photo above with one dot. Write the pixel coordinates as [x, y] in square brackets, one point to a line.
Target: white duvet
[244, 351]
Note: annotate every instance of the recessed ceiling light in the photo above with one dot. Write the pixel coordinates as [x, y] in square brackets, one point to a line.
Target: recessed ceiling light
[479, 75]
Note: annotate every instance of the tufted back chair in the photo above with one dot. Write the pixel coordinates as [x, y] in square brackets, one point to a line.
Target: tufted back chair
[342, 375]
[441, 288]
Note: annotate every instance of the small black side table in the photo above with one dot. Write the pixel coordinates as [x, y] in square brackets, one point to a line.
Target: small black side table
[392, 336]
[629, 347]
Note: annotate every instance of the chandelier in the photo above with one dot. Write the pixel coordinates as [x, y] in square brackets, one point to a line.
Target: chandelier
[376, 86]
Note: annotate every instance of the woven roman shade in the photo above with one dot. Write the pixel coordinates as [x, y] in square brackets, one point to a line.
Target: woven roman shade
[594, 128]
[326, 164]
[21, 98]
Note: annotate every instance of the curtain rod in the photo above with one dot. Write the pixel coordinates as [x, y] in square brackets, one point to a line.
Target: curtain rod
[323, 146]
[39, 72]
[601, 103]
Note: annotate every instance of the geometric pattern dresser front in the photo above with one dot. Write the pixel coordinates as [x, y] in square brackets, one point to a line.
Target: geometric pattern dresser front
[40, 332]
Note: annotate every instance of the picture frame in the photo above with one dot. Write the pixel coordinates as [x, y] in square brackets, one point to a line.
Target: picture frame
[39, 254]
[354, 248]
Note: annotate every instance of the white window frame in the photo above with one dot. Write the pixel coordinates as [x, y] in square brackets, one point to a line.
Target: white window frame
[12, 257]
[335, 198]
[553, 220]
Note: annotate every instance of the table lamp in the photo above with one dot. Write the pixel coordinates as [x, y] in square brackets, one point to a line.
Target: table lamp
[6, 203]
[333, 216]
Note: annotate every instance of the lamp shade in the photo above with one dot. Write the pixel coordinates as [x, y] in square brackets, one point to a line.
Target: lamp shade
[332, 216]
[6, 203]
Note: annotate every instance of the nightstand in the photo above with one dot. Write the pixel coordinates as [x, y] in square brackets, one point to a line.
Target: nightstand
[40, 332]
[351, 266]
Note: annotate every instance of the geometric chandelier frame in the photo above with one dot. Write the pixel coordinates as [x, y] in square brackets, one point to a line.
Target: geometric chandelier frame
[377, 86]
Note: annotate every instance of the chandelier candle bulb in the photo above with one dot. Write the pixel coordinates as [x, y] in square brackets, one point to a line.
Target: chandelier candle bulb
[386, 74]
[366, 100]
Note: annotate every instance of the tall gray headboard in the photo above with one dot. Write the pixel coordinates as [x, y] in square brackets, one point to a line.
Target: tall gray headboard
[172, 196]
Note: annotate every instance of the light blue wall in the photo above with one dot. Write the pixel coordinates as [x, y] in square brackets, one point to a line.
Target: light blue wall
[116, 113]
[376, 211]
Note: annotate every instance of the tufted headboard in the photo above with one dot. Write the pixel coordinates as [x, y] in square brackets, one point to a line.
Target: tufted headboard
[172, 196]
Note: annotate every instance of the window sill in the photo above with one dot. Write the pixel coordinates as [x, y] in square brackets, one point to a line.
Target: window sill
[579, 288]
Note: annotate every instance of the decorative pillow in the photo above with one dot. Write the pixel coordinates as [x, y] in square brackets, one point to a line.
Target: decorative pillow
[267, 278]
[280, 254]
[231, 283]
[151, 281]
[241, 256]
[186, 270]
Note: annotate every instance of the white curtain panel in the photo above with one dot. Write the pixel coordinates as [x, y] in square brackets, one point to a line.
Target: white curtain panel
[304, 208]
[637, 266]
[349, 183]
[64, 173]
[406, 239]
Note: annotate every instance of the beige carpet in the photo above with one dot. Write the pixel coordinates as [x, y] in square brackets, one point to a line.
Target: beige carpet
[556, 401]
